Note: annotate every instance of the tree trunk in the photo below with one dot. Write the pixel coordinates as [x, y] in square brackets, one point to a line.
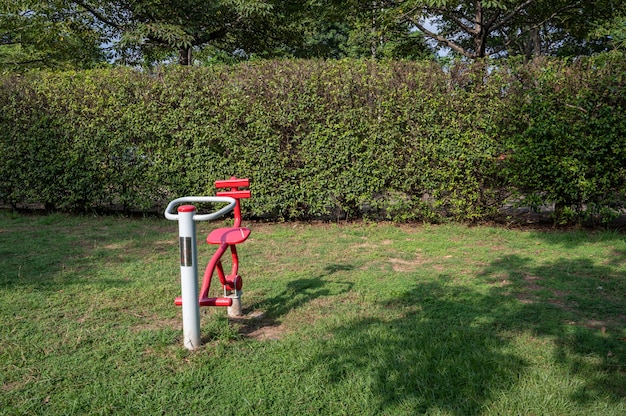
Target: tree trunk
[374, 29]
[480, 31]
[184, 56]
[536, 40]
[532, 45]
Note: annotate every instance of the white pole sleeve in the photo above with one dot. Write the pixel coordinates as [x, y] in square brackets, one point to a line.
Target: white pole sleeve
[189, 276]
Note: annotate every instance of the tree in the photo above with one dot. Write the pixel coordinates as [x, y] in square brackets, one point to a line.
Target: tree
[374, 34]
[47, 34]
[160, 30]
[357, 29]
[476, 29]
[614, 31]
[153, 30]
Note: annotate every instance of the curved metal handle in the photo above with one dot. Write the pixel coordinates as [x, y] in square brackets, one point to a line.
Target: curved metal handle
[204, 217]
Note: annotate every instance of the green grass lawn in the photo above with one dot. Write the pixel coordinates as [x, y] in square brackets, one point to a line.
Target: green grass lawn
[355, 319]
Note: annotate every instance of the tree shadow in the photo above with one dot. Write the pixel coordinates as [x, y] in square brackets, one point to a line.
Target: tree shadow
[618, 258]
[571, 238]
[51, 253]
[451, 348]
[441, 355]
[577, 303]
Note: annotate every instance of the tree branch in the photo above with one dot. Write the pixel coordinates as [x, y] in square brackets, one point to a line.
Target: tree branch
[459, 22]
[478, 19]
[407, 17]
[208, 37]
[31, 61]
[450, 44]
[511, 15]
[509, 41]
[98, 15]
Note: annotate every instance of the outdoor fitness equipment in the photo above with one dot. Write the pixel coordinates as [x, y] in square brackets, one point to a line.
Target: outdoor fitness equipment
[227, 237]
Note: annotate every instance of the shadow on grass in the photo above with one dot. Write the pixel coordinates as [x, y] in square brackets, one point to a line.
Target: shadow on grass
[302, 291]
[571, 238]
[296, 294]
[452, 349]
[441, 355]
[52, 252]
[577, 303]
[618, 257]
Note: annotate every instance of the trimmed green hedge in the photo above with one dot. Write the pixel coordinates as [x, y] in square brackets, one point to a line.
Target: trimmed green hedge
[567, 136]
[320, 139]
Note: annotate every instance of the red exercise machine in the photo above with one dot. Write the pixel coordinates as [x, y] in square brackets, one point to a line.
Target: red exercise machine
[226, 238]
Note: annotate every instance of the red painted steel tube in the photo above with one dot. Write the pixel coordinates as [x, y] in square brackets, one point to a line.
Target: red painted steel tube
[220, 273]
[216, 302]
[232, 183]
[235, 193]
[235, 260]
[225, 302]
[208, 272]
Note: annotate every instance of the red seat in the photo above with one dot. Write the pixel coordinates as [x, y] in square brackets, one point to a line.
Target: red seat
[233, 235]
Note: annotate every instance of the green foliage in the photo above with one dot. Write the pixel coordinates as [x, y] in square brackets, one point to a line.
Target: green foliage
[321, 139]
[615, 30]
[47, 34]
[148, 32]
[477, 29]
[567, 137]
[359, 29]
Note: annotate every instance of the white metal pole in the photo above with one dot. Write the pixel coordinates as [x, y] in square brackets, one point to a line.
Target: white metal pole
[189, 276]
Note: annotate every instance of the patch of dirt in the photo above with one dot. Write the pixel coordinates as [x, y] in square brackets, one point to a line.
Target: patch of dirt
[12, 386]
[257, 326]
[605, 327]
[323, 303]
[559, 303]
[152, 323]
[530, 283]
[267, 333]
[531, 278]
[115, 246]
[364, 245]
[526, 297]
[559, 293]
[399, 265]
[595, 324]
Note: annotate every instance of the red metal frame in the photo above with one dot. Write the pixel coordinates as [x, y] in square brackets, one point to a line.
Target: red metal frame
[227, 237]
